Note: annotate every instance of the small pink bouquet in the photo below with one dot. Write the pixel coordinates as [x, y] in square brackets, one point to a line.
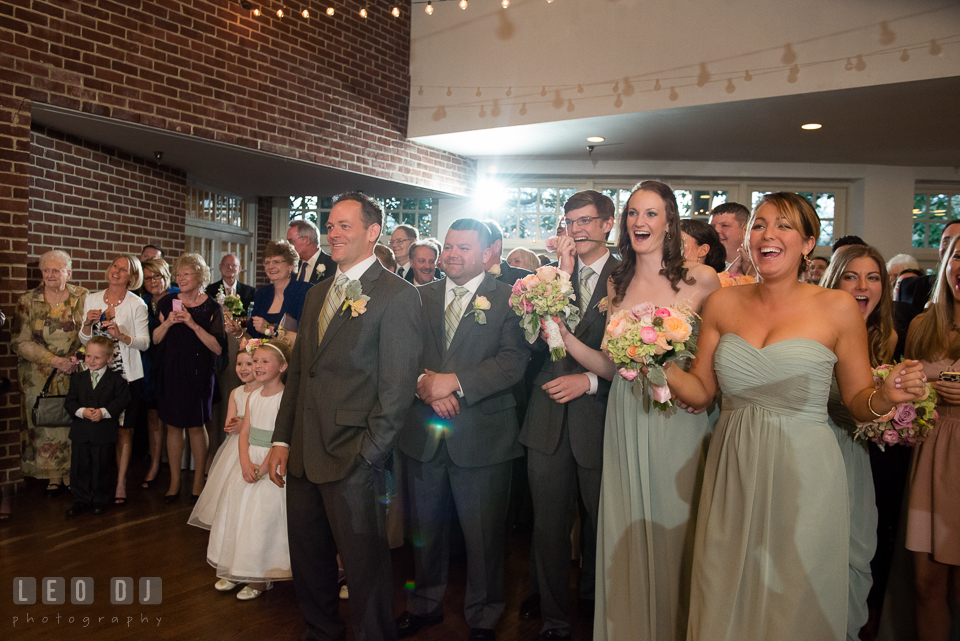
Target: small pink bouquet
[907, 423]
[649, 336]
[540, 297]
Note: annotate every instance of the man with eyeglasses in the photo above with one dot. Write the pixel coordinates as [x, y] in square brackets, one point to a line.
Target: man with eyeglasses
[401, 239]
[315, 264]
[563, 428]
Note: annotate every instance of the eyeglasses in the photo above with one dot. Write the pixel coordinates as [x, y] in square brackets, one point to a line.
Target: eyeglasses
[148, 279]
[394, 243]
[582, 222]
[274, 262]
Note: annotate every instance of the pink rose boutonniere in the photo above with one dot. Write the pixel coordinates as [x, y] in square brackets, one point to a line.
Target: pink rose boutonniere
[480, 304]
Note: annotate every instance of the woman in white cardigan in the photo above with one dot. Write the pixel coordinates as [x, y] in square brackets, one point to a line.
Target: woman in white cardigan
[120, 315]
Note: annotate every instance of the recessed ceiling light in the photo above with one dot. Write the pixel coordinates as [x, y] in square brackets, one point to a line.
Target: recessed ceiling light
[812, 125]
[596, 139]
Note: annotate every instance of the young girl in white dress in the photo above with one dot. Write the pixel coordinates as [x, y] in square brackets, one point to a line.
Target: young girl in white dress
[229, 453]
[248, 536]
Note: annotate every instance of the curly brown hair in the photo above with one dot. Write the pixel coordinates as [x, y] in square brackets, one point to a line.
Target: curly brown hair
[673, 261]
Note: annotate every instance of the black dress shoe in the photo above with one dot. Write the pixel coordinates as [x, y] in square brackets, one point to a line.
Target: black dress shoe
[52, 491]
[408, 623]
[553, 635]
[99, 509]
[482, 634]
[77, 509]
[530, 608]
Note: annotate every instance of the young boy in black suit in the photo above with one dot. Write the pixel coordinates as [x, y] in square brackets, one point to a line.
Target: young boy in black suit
[96, 399]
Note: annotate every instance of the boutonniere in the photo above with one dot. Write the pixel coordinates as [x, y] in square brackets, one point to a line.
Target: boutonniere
[495, 270]
[480, 304]
[355, 300]
[320, 269]
[602, 305]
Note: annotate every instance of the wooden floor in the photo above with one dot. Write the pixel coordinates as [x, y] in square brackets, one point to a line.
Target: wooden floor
[148, 538]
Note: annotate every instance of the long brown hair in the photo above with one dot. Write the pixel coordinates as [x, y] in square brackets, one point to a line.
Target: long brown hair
[880, 320]
[932, 339]
[673, 260]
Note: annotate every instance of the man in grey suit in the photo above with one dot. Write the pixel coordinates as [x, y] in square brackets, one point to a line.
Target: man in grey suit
[351, 379]
[563, 429]
[459, 439]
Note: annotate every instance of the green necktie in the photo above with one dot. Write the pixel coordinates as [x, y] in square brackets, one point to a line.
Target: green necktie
[585, 292]
[94, 377]
[334, 298]
[453, 313]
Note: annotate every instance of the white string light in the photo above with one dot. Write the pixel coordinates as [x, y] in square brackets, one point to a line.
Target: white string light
[429, 8]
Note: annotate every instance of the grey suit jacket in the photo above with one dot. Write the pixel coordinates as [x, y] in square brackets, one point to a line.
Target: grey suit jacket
[347, 398]
[585, 415]
[488, 360]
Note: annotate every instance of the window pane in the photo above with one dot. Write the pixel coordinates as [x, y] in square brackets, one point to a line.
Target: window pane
[565, 194]
[939, 206]
[409, 218]
[510, 200]
[528, 226]
[409, 203]
[611, 194]
[934, 231]
[426, 204]
[548, 225]
[326, 203]
[719, 197]
[825, 205]
[955, 207]
[826, 232]
[528, 200]
[390, 222]
[424, 225]
[548, 199]
[918, 234]
[508, 223]
[322, 223]
[296, 202]
[624, 197]
[700, 203]
[684, 201]
[919, 206]
[757, 195]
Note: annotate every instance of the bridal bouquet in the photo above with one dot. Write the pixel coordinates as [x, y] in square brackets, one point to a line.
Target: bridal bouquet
[907, 423]
[230, 304]
[650, 336]
[538, 299]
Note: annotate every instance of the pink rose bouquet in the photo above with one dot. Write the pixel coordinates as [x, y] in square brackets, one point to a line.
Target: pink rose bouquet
[906, 424]
[539, 298]
[650, 336]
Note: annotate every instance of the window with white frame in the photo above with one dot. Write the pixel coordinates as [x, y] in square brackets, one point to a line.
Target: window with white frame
[418, 212]
[932, 207]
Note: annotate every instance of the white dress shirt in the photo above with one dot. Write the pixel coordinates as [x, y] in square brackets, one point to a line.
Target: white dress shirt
[311, 265]
[99, 372]
[403, 269]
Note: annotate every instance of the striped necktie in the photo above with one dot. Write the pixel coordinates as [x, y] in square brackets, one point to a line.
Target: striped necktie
[585, 292]
[334, 298]
[454, 312]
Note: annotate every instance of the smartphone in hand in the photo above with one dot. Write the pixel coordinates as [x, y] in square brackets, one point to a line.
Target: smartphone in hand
[177, 305]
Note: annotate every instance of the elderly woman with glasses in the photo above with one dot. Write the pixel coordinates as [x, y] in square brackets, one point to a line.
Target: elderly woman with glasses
[191, 334]
[45, 336]
[284, 295]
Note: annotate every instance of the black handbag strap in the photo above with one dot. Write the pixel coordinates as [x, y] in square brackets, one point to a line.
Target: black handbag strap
[46, 387]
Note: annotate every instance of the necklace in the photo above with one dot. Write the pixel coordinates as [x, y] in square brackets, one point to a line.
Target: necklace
[106, 299]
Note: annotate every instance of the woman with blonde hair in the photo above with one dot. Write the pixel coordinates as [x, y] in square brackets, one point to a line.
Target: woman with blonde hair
[859, 271]
[191, 333]
[933, 519]
[119, 315]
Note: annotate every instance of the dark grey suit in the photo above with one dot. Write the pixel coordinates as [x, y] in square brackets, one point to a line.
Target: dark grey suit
[465, 460]
[245, 292]
[565, 451]
[344, 406]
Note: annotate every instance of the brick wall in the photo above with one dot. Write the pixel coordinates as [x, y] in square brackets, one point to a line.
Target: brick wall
[329, 90]
[94, 203]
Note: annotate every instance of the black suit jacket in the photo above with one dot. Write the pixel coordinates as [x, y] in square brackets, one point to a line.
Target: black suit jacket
[245, 292]
[510, 274]
[488, 360]
[112, 393]
[916, 292]
[329, 268]
[347, 395]
[585, 415]
[437, 275]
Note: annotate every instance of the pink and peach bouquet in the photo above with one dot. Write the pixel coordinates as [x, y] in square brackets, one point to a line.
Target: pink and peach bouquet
[907, 423]
[539, 298]
[649, 336]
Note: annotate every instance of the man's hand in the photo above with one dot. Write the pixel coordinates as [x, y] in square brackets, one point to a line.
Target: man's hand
[433, 387]
[446, 407]
[567, 388]
[566, 254]
[278, 464]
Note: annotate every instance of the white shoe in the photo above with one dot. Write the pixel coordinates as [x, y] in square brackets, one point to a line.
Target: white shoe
[248, 593]
[344, 592]
[225, 586]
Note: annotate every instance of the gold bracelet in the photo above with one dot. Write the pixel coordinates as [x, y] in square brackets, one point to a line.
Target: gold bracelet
[870, 404]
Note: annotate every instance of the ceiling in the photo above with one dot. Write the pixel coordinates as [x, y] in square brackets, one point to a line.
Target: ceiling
[906, 124]
[230, 169]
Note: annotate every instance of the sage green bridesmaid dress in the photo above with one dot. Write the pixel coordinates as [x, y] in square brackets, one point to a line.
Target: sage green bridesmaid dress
[771, 550]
